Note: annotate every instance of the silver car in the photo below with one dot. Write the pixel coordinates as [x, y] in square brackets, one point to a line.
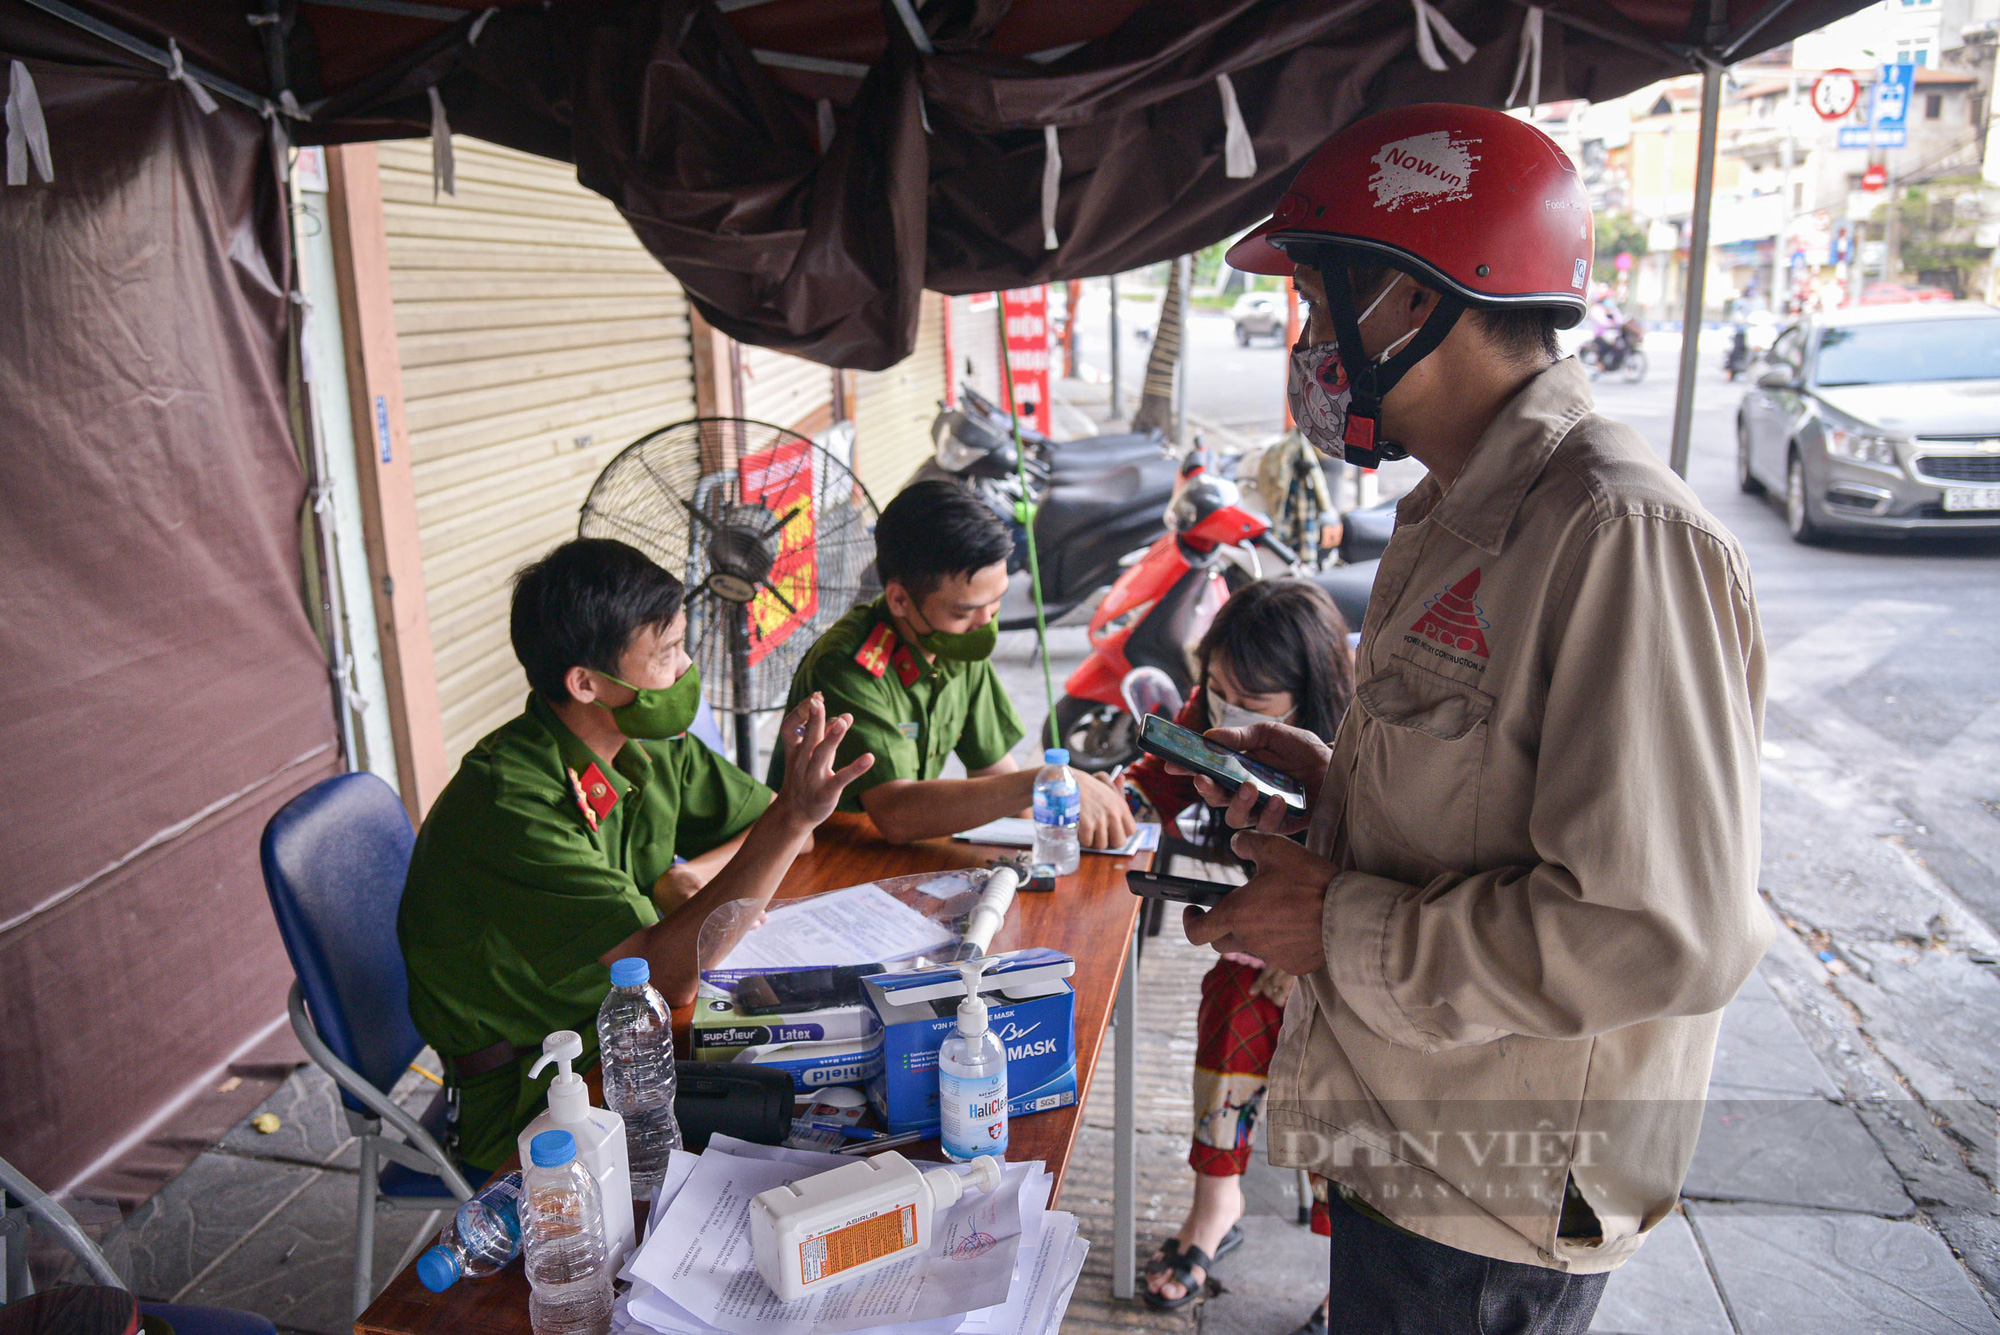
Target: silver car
[1258, 315]
[1879, 419]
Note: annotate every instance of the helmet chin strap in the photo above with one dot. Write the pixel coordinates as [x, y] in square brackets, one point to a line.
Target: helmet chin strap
[1369, 379]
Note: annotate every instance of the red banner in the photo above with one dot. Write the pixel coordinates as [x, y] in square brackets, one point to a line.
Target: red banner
[780, 480]
[1028, 352]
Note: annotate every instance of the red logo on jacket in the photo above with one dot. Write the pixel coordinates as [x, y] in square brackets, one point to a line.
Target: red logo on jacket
[1454, 620]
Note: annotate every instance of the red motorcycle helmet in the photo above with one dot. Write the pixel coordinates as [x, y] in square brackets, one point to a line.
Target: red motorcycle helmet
[1480, 206]
[1467, 200]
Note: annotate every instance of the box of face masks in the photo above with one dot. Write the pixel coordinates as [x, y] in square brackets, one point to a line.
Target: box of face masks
[1030, 1005]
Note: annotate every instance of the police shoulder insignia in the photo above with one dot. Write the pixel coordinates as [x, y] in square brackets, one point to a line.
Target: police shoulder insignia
[907, 670]
[874, 652]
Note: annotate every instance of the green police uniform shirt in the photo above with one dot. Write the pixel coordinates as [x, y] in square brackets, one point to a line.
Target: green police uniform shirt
[911, 714]
[536, 859]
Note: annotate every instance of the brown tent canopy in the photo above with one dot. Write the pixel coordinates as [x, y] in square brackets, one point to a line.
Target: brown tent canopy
[703, 120]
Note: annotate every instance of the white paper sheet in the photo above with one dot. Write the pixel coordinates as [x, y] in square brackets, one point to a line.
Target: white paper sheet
[700, 1253]
[863, 924]
[1047, 1264]
[1019, 832]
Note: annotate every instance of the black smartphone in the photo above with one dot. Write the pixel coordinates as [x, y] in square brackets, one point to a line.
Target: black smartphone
[1231, 769]
[803, 989]
[1179, 889]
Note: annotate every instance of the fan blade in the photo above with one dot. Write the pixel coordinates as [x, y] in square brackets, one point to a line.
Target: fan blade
[772, 589]
[633, 526]
[788, 517]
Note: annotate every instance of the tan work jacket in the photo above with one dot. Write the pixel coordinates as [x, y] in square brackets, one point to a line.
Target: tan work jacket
[1544, 807]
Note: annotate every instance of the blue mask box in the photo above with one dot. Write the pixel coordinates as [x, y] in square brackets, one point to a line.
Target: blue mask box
[1030, 1005]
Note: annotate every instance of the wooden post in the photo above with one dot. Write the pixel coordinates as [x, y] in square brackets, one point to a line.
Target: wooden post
[382, 459]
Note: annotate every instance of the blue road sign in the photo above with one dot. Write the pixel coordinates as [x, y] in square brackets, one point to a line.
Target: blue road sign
[1895, 85]
[1857, 136]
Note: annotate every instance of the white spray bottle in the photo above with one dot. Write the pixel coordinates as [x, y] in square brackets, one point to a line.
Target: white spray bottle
[972, 1077]
[600, 1139]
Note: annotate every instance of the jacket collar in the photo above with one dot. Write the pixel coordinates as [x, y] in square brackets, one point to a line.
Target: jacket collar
[1510, 456]
[632, 761]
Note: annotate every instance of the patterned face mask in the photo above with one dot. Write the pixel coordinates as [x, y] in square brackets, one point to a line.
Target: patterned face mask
[1318, 389]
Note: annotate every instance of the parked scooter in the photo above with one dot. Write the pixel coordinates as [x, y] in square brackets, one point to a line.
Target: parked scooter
[1095, 501]
[1161, 607]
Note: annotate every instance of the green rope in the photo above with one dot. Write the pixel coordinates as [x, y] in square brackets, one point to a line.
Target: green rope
[1026, 510]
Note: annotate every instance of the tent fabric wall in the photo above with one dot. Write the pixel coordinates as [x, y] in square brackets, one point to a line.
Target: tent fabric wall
[893, 409]
[165, 691]
[537, 340]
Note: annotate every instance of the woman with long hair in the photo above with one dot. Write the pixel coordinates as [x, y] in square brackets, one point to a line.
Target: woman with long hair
[1276, 651]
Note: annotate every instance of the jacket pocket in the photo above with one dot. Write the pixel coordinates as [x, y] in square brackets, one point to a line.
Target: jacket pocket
[1408, 696]
[1417, 774]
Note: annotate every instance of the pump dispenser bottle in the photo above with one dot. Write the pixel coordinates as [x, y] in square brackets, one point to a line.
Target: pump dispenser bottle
[972, 1078]
[600, 1138]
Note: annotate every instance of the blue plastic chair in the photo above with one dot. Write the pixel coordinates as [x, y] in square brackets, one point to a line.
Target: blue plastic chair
[335, 858]
[22, 1203]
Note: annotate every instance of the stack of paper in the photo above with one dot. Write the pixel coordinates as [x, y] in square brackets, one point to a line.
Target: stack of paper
[1000, 1264]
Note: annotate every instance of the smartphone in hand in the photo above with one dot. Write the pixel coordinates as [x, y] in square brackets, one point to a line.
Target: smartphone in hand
[1177, 889]
[1231, 769]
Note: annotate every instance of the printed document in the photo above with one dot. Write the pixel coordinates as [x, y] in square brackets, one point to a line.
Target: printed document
[863, 924]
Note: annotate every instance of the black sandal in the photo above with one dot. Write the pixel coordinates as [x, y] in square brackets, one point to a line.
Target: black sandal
[1315, 1324]
[1179, 1264]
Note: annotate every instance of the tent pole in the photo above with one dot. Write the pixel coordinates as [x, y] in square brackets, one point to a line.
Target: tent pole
[1704, 192]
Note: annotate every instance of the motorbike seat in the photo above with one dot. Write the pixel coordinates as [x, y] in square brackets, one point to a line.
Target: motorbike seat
[1349, 587]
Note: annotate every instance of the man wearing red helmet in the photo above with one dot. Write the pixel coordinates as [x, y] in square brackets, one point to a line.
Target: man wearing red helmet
[1528, 885]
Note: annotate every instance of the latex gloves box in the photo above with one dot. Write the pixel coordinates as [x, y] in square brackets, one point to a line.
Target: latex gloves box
[1031, 1006]
[722, 1031]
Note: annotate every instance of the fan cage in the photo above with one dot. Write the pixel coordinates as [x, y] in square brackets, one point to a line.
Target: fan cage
[714, 499]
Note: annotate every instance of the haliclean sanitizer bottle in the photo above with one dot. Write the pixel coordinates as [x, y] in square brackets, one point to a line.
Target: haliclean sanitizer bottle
[972, 1078]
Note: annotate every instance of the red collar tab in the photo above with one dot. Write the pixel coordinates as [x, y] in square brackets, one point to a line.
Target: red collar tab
[874, 652]
[597, 792]
[907, 670]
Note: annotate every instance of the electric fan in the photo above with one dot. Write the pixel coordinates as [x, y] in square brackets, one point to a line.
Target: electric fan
[771, 533]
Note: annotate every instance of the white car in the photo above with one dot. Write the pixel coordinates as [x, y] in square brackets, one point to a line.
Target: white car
[1258, 315]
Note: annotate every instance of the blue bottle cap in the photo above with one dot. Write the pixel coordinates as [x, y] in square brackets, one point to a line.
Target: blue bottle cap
[630, 972]
[438, 1268]
[1056, 755]
[552, 1148]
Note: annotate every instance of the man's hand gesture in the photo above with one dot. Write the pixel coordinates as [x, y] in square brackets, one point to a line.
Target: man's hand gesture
[812, 785]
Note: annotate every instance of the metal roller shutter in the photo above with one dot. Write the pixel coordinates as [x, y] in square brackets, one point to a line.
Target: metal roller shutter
[787, 391]
[975, 342]
[893, 408]
[537, 339]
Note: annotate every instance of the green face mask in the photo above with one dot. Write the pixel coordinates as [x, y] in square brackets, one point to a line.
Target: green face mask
[965, 646]
[660, 713]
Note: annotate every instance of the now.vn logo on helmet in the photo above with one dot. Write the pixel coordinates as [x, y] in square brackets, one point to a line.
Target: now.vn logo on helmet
[1423, 170]
[1454, 620]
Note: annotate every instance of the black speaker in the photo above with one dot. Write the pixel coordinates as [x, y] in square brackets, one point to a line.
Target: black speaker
[740, 1099]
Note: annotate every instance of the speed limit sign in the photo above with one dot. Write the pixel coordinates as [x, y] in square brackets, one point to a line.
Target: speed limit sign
[1834, 94]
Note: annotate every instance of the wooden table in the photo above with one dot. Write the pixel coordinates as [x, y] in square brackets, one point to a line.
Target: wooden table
[1091, 917]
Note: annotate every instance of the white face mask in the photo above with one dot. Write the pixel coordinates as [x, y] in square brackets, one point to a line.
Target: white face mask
[1225, 715]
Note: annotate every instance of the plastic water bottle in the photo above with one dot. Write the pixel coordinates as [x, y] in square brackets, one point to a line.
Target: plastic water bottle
[480, 1241]
[635, 1034]
[1058, 808]
[562, 1227]
[972, 1077]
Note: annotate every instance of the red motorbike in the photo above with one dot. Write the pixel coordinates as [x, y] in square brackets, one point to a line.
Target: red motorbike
[1157, 611]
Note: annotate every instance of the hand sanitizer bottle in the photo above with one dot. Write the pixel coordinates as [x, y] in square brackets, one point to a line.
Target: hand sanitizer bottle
[972, 1078]
[600, 1139]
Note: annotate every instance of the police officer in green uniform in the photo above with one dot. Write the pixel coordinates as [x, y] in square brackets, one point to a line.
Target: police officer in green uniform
[912, 668]
[551, 852]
